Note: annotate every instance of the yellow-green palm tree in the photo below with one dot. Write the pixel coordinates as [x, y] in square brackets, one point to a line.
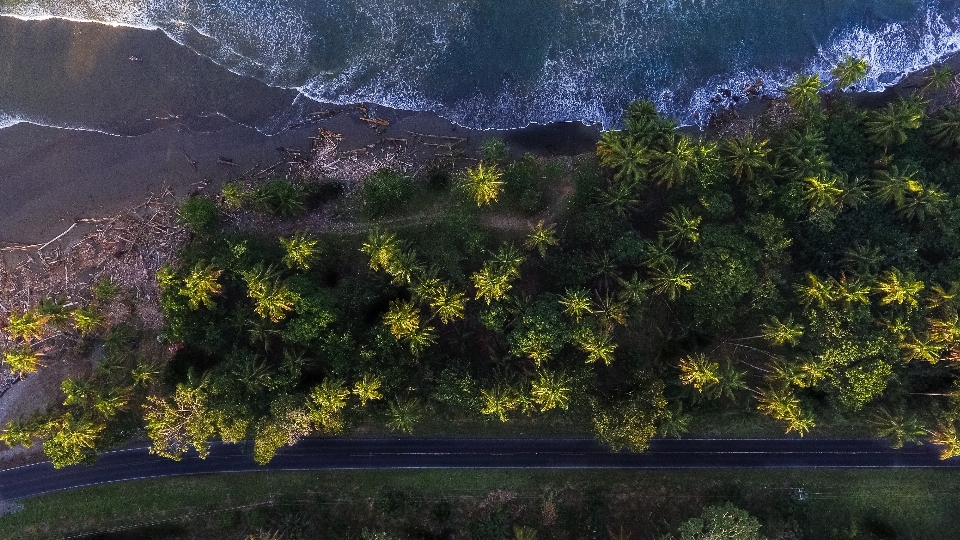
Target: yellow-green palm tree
[782, 332]
[483, 183]
[300, 251]
[403, 318]
[201, 285]
[628, 158]
[804, 93]
[551, 390]
[499, 401]
[746, 156]
[850, 71]
[382, 247]
[21, 360]
[698, 371]
[29, 325]
[681, 226]
[368, 389]
[945, 130]
[672, 166]
[668, 279]
[87, 320]
[598, 345]
[896, 287]
[541, 237]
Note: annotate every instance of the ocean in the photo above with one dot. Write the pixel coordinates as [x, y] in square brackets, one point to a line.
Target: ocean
[122, 66]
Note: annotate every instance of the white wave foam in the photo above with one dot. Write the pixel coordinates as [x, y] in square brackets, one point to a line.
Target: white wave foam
[6, 120]
[893, 51]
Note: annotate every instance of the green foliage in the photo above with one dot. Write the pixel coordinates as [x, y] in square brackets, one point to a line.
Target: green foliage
[301, 251]
[385, 192]
[21, 360]
[280, 198]
[888, 127]
[199, 214]
[404, 415]
[725, 522]
[483, 183]
[494, 150]
[28, 326]
[804, 93]
[849, 71]
[632, 422]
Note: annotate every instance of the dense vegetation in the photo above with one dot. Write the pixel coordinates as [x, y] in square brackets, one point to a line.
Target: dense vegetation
[808, 271]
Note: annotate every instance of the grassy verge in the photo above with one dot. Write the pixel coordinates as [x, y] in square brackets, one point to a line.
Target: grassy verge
[482, 504]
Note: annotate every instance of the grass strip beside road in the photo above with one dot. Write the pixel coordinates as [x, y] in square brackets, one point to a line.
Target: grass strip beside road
[898, 503]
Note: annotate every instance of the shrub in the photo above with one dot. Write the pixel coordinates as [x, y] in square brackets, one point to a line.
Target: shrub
[494, 151]
[199, 214]
[384, 192]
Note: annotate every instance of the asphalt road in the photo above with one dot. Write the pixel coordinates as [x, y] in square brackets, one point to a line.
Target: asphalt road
[330, 453]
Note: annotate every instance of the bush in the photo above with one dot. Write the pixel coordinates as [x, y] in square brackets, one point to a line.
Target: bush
[384, 192]
[494, 151]
[199, 214]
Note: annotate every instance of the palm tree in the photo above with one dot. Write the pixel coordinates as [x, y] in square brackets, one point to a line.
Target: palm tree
[421, 338]
[804, 93]
[541, 237]
[816, 291]
[73, 440]
[746, 156]
[672, 166]
[946, 437]
[21, 360]
[301, 251]
[499, 401]
[275, 301]
[938, 79]
[620, 196]
[945, 130]
[668, 280]
[698, 371]
[892, 186]
[403, 318]
[483, 184]
[29, 325]
[86, 320]
[822, 192]
[923, 349]
[382, 248]
[944, 331]
[446, 305]
[889, 126]
[804, 151]
[633, 291]
[782, 333]
[325, 404]
[626, 157]
[576, 303]
[896, 287]
[597, 344]
[367, 389]
[922, 201]
[551, 390]
[681, 226]
[200, 285]
[850, 71]
[404, 414]
[862, 259]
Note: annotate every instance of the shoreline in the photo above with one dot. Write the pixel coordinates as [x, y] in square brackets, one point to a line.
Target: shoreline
[55, 176]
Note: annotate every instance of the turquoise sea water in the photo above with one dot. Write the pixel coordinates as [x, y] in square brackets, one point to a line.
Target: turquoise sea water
[507, 63]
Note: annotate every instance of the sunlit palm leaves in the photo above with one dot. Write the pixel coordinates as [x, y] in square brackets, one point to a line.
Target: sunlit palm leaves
[896, 287]
[483, 183]
[850, 71]
[367, 389]
[21, 360]
[804, 93]
[201, 285]
[551, 390]
[540, 238]
[671, 167]
[784, 332]
[300, 251]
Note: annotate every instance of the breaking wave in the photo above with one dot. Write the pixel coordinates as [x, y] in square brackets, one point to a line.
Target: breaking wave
[510, 64]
